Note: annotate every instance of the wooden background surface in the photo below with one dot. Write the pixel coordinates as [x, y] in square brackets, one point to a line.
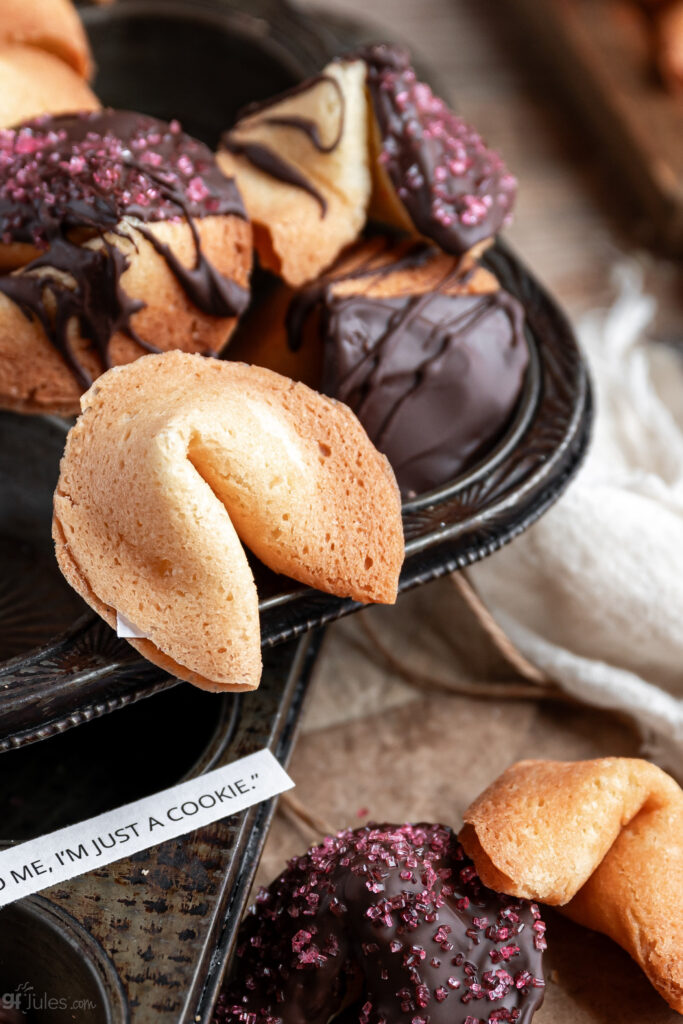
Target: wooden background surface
[374, 746]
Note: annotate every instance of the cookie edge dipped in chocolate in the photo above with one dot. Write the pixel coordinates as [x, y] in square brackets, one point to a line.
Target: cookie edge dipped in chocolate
[395, 918]
[432, 400]
[433, 172]
[72, 211]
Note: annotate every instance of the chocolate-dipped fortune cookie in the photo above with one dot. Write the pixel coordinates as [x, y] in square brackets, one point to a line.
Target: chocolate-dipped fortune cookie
[433, 174]
[426, 348]
[301, 162]
[393, 920]
[119, 235]
[305, 163]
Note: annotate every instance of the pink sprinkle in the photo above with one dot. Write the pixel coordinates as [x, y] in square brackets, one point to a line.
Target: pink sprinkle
[26, 144]
[312, 955]
[301, 939]
[504, 953]
[422, 996]
[152, 158]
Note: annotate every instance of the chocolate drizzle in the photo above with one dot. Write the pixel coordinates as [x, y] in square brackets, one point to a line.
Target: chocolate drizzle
[396, 919]
[68, 183]
[260, 106]
[265, 158]
[455, 190]
[97, 303]
[309, 128]
[208, 289]
[432, 377]
[304, 302]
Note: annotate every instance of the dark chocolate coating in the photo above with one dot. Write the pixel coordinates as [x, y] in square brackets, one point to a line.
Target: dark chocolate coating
[70, 176]
[455, 190]
[433, 378]
[396, 918]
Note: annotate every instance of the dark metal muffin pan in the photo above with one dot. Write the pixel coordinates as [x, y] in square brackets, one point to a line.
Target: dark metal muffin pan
[86, 671]
[52, 969]
[145, 939]
[60, 665]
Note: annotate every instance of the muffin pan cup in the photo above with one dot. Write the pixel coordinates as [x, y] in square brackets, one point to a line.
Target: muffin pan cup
[52, 968]
[145, 939]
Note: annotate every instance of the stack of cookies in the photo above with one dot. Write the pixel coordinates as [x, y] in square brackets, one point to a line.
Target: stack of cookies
[125, 250]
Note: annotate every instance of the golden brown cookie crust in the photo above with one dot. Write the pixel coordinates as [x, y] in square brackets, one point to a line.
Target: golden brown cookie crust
[604, 840]
[33, 375]
[178, 459]
[49, 25]
[34, 82]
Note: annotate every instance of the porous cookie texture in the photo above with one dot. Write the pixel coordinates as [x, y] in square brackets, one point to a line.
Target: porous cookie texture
[603, 839]
[175, 460]
[34, 82]
[393, 919]
[301, 163]
[118, 235]
[49, 25]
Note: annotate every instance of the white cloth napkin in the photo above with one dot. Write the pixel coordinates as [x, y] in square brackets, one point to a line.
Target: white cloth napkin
[593, 592]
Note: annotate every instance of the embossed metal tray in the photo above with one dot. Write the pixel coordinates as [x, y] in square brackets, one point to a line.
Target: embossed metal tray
[144, 939]
[68, 666]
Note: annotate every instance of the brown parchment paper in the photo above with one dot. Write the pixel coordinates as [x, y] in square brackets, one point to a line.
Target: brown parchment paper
[375, 747]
